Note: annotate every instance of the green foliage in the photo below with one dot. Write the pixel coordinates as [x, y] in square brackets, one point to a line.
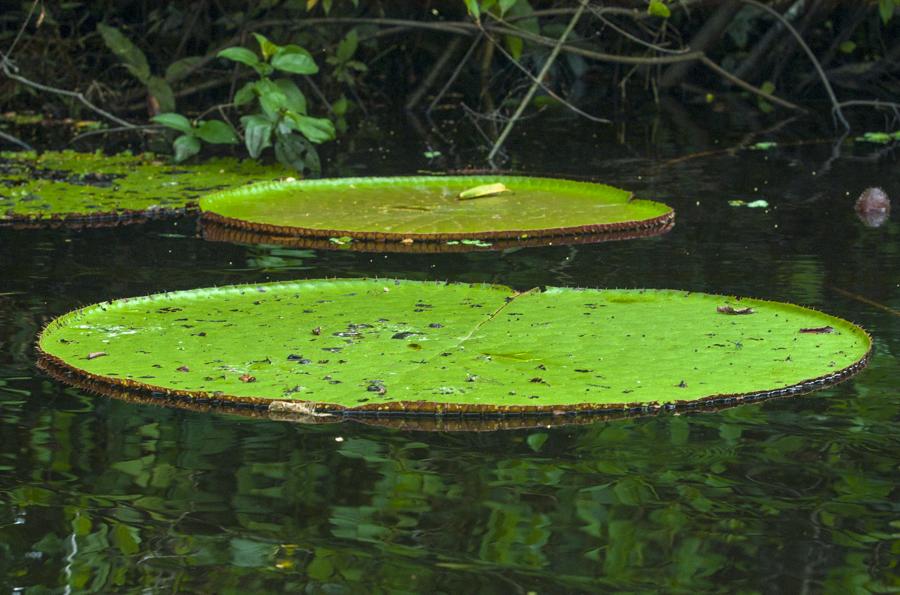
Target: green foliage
[658, 8]
[886, 9]
[345, 67]
[277, 110]
[188, 144]
[136, 63]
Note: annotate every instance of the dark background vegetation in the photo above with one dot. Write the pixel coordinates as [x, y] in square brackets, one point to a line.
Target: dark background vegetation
[426, 56]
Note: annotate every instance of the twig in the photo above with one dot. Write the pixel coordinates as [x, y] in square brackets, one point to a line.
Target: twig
[599, 13]
[16, 141]
[436, 69]
[865, 300]
[549, 91]
[876, 103]
[455, 75]
[18, 36]
[537, 82]
[147, 128]
[7, 67]
[745, 85]
[836, 105]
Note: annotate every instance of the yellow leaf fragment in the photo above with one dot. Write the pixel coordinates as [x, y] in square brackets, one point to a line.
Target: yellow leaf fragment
[483, 190]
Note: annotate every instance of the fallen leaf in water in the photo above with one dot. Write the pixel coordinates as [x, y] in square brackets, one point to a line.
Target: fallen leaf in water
[820, 330]
[482, 191]
[730, 310]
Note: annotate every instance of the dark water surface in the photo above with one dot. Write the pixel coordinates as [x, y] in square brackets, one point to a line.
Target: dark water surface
[795, 495]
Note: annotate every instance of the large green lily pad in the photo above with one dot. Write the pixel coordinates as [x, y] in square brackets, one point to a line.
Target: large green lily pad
[433, 208]
[92, 188]
[407, 346]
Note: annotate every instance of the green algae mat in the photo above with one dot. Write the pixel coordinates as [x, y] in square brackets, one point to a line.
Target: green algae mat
[69, 187]
[433, 208]
[378, 345]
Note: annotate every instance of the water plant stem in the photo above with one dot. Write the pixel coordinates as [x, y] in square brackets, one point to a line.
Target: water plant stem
[537, 81]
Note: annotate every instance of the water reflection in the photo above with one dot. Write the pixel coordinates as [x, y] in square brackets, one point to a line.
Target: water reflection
[789, 495]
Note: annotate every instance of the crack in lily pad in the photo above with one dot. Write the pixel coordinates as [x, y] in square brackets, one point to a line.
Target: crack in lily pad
[75, 188]
[429, 209]
[478, 349]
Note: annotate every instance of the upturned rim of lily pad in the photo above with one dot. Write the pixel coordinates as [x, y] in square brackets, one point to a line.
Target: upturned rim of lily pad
[649, 226]
[61, 369]
[407, 421]
[212, 231]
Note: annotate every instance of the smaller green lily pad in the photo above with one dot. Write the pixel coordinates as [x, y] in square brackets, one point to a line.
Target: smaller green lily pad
[91, 188]
[389, 346]
[434, 209]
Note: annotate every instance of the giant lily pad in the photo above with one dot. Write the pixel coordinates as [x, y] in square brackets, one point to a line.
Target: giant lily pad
[406, 346]
[91, 188]
[434, 209]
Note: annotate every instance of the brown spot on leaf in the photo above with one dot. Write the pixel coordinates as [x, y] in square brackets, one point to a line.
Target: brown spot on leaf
[183, 369]
[731, 310]
[96, 354]
[247, 378]
[820, 330]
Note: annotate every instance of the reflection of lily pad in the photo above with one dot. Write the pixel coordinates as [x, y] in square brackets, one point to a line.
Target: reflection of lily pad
[406, 346]
[90, 188]
[425, 209]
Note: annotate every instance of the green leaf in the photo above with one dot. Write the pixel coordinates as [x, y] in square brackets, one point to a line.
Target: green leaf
[257, 134]
[295, 59]
[216, 132]
[267, 48]
[847, 47]
[133, 58]
[409, 346]
[181, 68]
[174, 121]
[186, 146]
[886, 10]
[271, 98]
[514, 45]
[245, 94]
[348, 45]
[658, 8]
[241, 55]
[317, 130]
[536, 441]
[473, 8]
[295, 100]
[340, 106]
[506, 5]
[160, 89]
[295, 151]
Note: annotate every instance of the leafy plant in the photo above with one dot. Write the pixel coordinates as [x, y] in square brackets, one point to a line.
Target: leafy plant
[188, 144]
[278, 113]
[343, 62]
[136, 63]
[282, 106]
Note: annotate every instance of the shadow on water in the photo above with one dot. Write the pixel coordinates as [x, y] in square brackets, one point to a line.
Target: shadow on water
[794, 495]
